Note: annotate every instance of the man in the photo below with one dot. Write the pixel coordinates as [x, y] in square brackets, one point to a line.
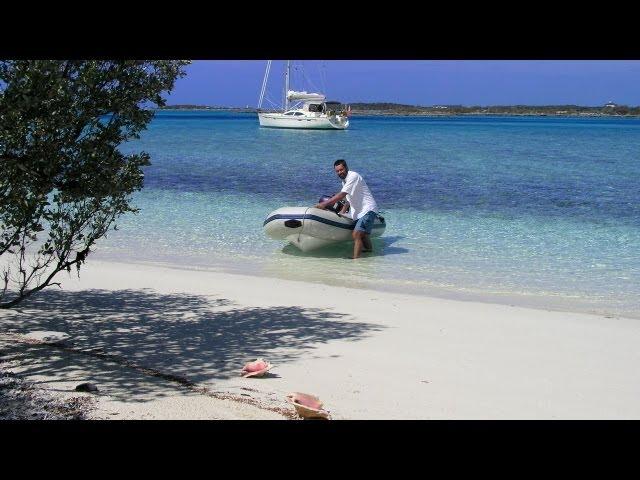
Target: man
[363, 207]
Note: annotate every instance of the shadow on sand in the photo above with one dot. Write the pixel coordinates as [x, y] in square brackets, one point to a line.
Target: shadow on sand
[200, 338]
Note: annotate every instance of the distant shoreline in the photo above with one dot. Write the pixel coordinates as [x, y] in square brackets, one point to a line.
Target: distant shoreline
[393, 110]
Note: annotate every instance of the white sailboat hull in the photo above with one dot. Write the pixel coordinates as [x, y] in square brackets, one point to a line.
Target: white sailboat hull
[279, 120]
[311, 228]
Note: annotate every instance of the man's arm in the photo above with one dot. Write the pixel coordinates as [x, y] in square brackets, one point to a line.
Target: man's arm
[327, 203]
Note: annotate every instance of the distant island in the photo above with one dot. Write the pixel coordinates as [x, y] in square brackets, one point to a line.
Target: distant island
[610, 109]
[207, 107]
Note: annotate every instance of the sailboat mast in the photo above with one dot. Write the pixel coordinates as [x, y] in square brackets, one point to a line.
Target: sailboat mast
[264, 84]
[286, 86]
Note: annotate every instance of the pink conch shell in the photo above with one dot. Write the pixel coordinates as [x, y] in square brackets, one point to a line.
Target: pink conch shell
[256, 368]
[307, 406]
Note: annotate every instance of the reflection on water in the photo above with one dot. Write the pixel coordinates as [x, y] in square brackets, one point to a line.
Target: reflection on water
[381, 246]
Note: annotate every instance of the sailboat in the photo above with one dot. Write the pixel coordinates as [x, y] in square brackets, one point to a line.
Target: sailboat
[302, 109]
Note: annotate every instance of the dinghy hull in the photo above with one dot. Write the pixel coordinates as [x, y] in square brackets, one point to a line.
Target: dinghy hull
[311, 228]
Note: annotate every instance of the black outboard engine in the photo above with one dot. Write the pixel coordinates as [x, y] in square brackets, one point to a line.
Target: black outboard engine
[336, 207]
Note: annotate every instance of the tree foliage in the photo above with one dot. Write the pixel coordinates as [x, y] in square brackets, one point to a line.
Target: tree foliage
[63, 181]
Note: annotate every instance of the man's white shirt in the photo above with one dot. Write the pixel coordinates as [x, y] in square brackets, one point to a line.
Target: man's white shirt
[358, 195]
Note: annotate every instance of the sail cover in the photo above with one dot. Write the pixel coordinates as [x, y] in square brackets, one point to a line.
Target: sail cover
[292, 95]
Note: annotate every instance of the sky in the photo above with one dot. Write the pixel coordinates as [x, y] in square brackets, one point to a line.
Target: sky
[237, 83]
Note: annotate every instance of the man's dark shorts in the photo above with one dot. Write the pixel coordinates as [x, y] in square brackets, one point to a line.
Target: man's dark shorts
[365, 223]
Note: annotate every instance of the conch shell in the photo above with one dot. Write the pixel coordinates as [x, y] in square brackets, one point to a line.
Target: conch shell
[307, 406]
[256, 368]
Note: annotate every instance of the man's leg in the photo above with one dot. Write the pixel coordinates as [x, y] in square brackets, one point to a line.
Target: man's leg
[361, 233]
[357, 243]
[366, 243]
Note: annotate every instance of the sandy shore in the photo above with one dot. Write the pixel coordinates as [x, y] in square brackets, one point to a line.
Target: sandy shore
[165, 343]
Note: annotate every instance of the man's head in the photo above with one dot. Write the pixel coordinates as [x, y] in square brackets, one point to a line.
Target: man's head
[340, 166]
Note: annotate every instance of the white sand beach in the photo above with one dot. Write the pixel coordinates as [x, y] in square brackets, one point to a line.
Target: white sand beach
[166, 343]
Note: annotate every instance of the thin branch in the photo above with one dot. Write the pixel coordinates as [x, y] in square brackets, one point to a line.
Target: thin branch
[5, 278]
[11, 242]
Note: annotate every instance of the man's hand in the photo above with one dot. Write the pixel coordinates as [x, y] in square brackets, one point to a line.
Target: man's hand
[345, 208]
[336, 198]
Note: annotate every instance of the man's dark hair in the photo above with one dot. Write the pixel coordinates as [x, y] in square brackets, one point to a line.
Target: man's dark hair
[340, 161]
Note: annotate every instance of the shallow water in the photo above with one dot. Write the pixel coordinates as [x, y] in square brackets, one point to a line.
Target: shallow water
[535, 211]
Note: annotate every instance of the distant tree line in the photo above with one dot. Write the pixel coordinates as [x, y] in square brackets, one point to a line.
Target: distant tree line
[399, 109]
[385, 108]
[204, 107]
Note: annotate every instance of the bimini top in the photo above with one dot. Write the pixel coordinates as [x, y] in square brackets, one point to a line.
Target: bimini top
[292, 95]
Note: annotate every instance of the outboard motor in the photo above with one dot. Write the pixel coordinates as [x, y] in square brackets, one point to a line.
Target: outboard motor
[336, 207]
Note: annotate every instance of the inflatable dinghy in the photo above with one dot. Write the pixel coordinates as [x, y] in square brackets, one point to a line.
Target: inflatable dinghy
[310, 228]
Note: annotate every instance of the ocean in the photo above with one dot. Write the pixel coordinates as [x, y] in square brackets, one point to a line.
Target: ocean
[530, 211]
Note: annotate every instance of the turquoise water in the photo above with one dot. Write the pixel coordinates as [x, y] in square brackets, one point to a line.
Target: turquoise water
[524, 210]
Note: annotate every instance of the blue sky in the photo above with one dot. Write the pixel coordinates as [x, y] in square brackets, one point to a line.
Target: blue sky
[418, 82]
